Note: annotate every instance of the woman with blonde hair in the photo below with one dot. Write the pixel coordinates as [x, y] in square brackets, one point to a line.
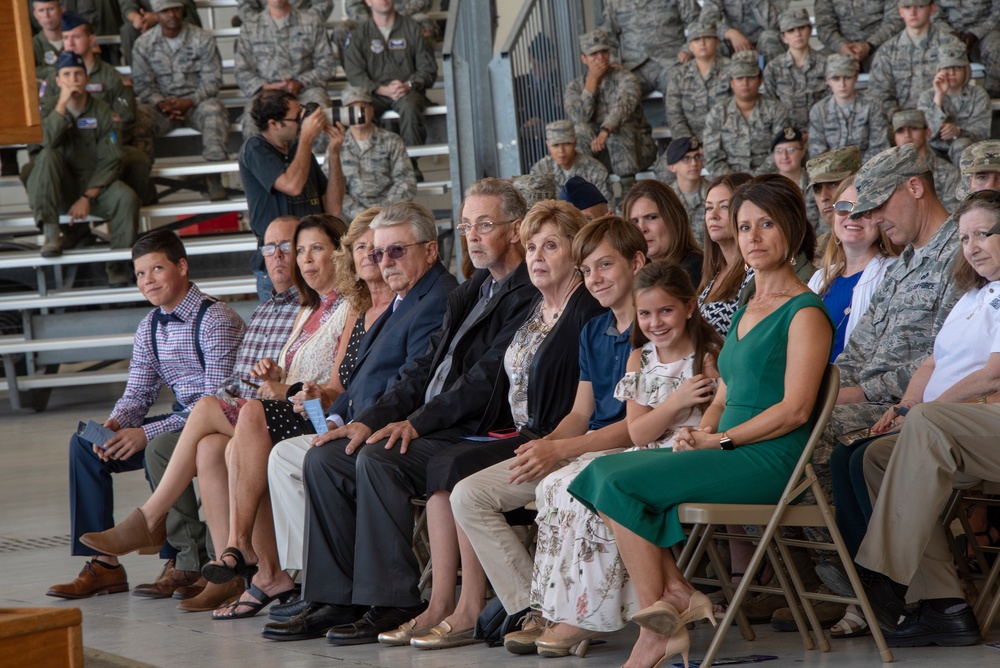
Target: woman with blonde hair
[856, 258]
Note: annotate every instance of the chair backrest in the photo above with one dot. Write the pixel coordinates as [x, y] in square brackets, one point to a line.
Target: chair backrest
[829, 388]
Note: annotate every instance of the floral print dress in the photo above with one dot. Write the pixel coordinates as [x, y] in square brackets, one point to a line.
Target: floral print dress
[578, 574]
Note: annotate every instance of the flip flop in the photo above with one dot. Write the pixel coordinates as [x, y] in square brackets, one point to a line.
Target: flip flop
[852, 625]
[263, 600]
[220, 573]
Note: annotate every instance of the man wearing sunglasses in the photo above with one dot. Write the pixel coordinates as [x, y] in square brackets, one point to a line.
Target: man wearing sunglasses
[280, 174]
[445, 394]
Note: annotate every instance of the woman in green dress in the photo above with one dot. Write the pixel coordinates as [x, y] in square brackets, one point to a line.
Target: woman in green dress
[748, 440]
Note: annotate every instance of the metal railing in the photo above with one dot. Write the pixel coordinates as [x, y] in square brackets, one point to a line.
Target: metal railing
[529, 74]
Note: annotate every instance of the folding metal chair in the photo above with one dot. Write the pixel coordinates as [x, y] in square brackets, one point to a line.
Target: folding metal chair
[705, 517]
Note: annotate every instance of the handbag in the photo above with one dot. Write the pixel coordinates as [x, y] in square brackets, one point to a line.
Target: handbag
[494, 623]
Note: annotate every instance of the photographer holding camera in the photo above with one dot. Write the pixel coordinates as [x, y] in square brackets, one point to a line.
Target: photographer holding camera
[369, 162]
[280, 174]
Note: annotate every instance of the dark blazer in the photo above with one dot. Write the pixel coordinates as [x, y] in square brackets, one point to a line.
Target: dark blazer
[394, 340]
[470, 398]
[555, 369]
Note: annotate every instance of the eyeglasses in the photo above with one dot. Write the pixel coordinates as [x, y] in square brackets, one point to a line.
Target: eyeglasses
[691, 159]
[394, 251]
[297, 119]
[788, 150]
[843, 206]
[482, 228]
[267, 250]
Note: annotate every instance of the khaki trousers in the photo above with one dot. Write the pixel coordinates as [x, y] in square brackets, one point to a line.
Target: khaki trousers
[288, 498]
[940, 447]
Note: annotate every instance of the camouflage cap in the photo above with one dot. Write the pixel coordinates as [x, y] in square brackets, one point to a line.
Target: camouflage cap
[353, 94]
[983, 156]
[908, 118]
[879, 177]
[594, 41]
[952, 55]
[913, 3]
[701, 28]
[791, 19]
[164, 5]
[560, 132]
[839, 65]
[834, 166]
[535, 187]
[744, 64]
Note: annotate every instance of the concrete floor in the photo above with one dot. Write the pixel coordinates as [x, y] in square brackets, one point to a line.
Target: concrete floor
[34, 505]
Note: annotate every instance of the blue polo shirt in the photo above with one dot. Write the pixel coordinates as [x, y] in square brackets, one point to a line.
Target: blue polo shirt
[603, 355]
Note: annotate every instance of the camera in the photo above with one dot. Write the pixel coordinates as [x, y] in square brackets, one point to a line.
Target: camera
[346, 115]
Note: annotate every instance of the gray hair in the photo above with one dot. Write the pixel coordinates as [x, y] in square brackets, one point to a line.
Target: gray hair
[512, 204]
[418, 216]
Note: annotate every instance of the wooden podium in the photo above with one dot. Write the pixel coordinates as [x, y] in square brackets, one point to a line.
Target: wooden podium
[20, 122]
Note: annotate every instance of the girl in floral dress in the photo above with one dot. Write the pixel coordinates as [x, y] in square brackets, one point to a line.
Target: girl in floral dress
[579, 582]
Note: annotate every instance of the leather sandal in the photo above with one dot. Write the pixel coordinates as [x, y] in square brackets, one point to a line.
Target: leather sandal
[852, 625]
[220, 573]
[263, 600]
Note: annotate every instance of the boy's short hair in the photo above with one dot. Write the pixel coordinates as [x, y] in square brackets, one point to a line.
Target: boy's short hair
[620, 234]
[160, 241]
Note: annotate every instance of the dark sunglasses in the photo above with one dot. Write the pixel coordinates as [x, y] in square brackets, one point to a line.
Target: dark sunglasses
[394, 251]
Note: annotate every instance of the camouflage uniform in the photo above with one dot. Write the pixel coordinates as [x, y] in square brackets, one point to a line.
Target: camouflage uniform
[358, 11]
[982, 156]
[129, 34]
[372, 61]
[266, 53]
[76, 155]
[812, 211]
[647, 35]
[617, 105]
[737, 144]
[690, 97]
[797, 88]
[45, 56]
[902, 70]
[321, 8]
[947, 179]
[897, 332]
[378, 173]
[584, 166]
[193, 71]
[842, 21]
[756, 19]
[970, 111]
[694, 204]
[134, 139]
[979, 18]
[535, 187]
[860, 124]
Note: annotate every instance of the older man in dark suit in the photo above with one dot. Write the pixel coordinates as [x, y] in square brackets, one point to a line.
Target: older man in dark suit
[361, 574]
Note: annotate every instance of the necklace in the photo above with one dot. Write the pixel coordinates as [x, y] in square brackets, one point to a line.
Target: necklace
[554, 315]
[761, 302]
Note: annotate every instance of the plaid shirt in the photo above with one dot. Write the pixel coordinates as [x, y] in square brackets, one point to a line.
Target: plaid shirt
[178, 366]
[270, 327]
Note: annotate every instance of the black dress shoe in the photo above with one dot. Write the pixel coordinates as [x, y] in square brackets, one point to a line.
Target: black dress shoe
[888, 598]
[312, 622]
[926, 626]
[375, 621]
[285, 611]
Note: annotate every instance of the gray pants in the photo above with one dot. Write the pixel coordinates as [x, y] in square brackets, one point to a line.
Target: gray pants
[185, 530]
[208, 117]
[941, 446]
[629, 149]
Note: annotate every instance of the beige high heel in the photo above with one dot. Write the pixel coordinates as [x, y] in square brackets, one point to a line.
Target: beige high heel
[679, 643]
[700, 607]
[661, 618]
[551, 644]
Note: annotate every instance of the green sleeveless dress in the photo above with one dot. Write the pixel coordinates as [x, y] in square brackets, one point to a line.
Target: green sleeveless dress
[641, 490]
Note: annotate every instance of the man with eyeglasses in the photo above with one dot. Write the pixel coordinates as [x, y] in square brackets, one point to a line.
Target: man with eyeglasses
[280, 174]
[405, 249]
[455, 389]
[788, 149]
[680, 166]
